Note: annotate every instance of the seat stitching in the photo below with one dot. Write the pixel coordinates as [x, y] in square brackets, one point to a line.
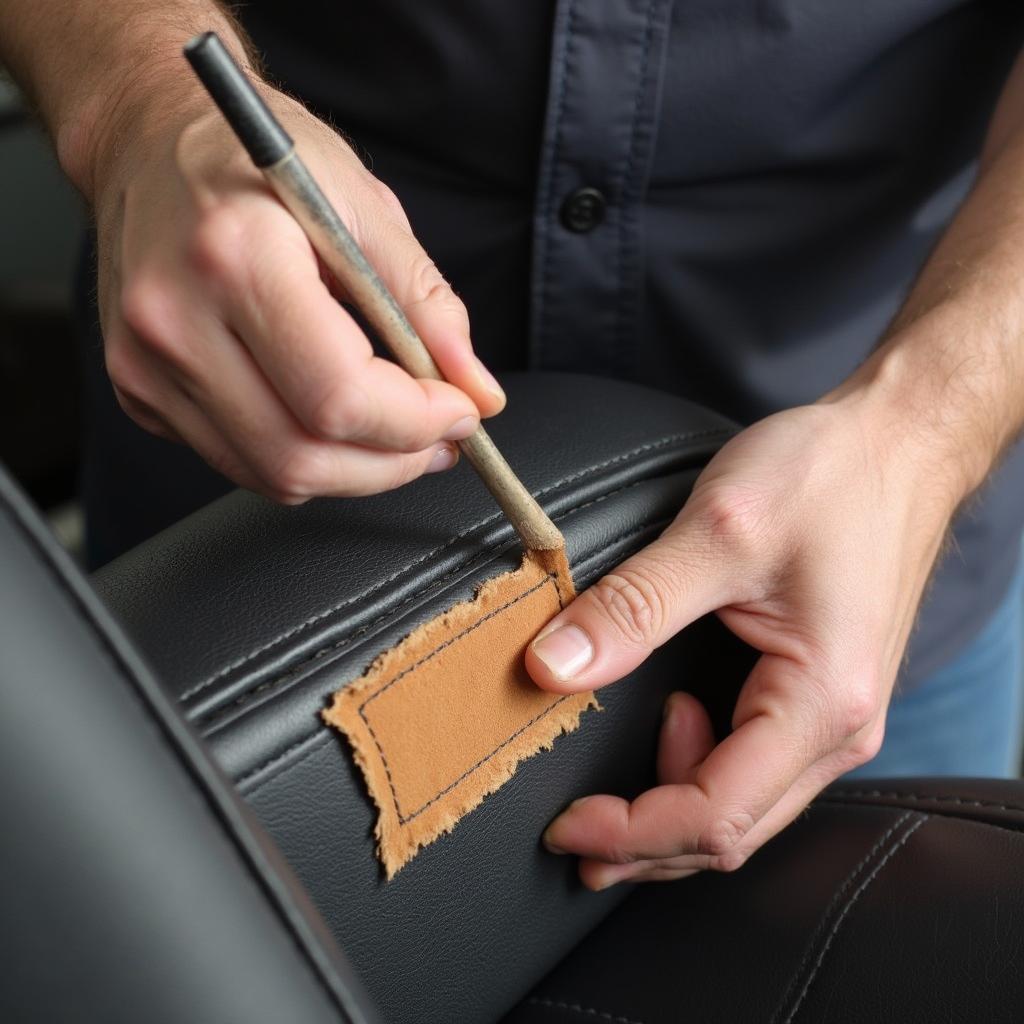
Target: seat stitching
[571, 478]
[210, 717]
[938, 798]
[586, 1011]
[294, 670]
[1015, 829]
[856, 895]
[833, 903]
[326, 733]
[405, 819]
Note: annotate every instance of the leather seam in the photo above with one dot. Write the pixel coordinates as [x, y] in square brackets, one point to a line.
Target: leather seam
[844, 913]
[966, 819]
[321, 736]
[398, 573]
[938, 798]
[832, 904]
[209, 718]
[272, 684]
[325, 734]
[585, 1011]
[405, 819]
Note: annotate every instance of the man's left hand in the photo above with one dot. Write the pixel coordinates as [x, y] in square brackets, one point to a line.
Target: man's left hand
[812, 535]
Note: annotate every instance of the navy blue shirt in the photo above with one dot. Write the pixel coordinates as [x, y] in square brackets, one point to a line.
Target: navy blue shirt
[727, 199]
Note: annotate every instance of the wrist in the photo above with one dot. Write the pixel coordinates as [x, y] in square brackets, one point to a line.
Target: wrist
[145, 94]
[906, 415]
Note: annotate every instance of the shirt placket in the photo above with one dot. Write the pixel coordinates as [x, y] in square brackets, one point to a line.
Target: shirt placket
[586, 288]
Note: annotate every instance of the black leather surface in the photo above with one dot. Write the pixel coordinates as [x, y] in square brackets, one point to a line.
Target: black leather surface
[133, 884]
[253, 615]
[898, 901]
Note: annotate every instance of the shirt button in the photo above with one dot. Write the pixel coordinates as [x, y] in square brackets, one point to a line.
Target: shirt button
[583, 210]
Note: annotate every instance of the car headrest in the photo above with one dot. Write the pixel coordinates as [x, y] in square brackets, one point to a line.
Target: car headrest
[253, 615]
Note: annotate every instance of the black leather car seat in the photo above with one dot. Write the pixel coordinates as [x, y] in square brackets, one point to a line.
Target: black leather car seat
[195, 844]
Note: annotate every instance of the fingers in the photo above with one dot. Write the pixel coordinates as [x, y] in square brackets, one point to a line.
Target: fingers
[321, 363]
[199, 251]
[246, 433]
[715, 806]
[434, 310]
[615, 624]
[598, 875]
[686, 739]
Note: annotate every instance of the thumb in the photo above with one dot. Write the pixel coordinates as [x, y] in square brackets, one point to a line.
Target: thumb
[436, 313]
[615, 624]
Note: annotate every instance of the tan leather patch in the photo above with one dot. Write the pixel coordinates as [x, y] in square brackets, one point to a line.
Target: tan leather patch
[443, 719]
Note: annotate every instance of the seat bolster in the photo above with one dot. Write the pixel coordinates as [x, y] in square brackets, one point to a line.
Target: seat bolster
[893, 901]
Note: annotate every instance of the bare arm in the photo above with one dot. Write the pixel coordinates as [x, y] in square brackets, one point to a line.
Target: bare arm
[953, 362]
[218, 328]
[94, 67]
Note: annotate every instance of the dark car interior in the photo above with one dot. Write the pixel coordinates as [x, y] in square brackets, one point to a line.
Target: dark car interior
[186, 840]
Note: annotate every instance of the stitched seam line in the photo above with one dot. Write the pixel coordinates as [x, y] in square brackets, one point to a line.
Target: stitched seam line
[323, 734]
[1010, 829]
[550, 578]
[398, 573]
[856, 895]
[926, 797]
[833, 903]
[294, 670]
[586, 1011]
[545, 230]
[626, 211]
[210, 717]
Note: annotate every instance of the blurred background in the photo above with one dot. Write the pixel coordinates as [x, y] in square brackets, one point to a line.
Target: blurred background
[41, 224]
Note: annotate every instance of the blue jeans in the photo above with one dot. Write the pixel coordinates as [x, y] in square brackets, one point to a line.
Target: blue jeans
[968, 718]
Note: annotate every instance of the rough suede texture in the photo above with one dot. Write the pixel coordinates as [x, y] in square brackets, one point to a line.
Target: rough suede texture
[443, 719]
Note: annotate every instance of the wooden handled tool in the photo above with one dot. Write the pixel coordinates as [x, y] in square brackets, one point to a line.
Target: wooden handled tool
[273, 152]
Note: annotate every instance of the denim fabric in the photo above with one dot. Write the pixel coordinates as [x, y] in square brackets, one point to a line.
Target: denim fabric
[968, 718]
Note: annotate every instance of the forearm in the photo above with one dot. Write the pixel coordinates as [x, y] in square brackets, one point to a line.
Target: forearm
[951, 369]
[96, 69]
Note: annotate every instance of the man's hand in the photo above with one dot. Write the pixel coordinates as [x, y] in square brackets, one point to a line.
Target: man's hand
[222, 331]
[812, 535]
[220, 327]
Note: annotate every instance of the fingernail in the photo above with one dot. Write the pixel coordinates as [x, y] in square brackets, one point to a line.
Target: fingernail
[613, 875]
[444, 458]
[552, 847]
[668, 706]
[461, 429]
[488, 380]
[566, 651]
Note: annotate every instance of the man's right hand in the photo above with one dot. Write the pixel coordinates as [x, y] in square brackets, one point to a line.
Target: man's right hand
[223, 331]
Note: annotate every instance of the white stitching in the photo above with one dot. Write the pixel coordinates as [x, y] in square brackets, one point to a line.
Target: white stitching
[325, 733]
[210, 717]
[270, 644]
[936, 798]
[896, 847]
[587, 1011]
[840, 892]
